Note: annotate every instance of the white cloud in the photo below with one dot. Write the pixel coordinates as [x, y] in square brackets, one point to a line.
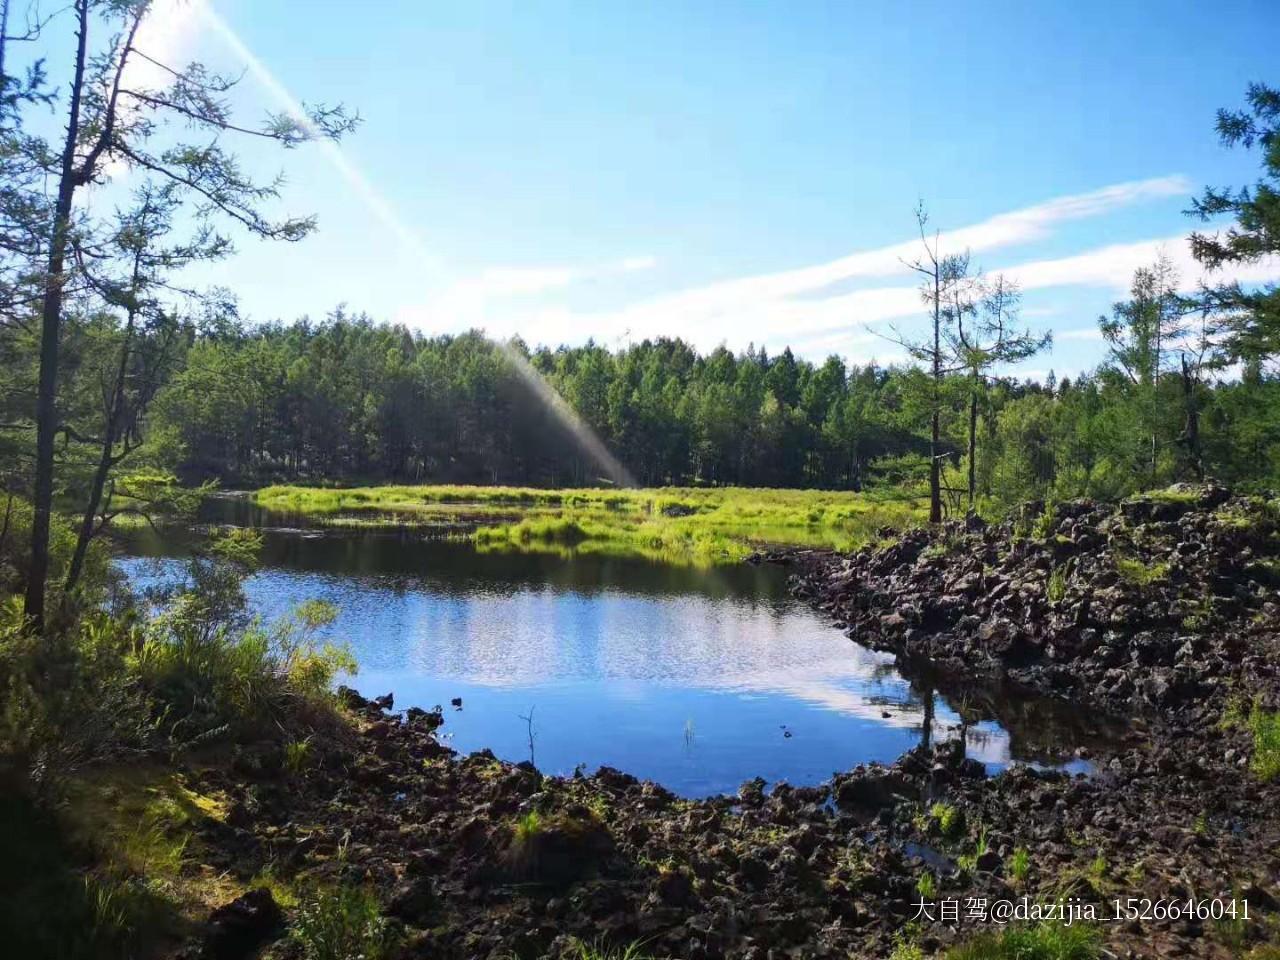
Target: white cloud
[631, 264]
[167, 35]
[803, 308]
[1112, 267]
[1081, 333]
[770, 309]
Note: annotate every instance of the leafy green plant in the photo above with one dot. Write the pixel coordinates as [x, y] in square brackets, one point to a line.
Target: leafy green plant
[1046, 522]
[341, 923]
[1098, 868]
[906, 950]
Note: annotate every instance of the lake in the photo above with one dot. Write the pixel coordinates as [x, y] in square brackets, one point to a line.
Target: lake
[699, 679]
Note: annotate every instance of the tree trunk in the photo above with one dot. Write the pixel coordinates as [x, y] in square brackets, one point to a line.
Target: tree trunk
[935, 471]
[105, 461]
[973, 442]
[50, 331]
[1191, 431]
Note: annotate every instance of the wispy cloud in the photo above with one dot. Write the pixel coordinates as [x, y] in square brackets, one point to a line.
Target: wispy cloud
[803, 306]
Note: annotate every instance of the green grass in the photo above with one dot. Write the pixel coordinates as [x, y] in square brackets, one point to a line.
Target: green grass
[674, 524]
[926, 886]
[297, 755]
[969, 862]
[1019, 866]
[527, 827]
[1056, 588]
[1044, 941]
[1136, 571]
[1264, 725]
[599, 951]
[341, 923]
[948, 817]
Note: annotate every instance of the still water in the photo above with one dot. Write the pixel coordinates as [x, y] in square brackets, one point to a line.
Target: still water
[699, 679]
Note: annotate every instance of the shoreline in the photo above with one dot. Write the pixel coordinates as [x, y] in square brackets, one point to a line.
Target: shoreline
[478, 857]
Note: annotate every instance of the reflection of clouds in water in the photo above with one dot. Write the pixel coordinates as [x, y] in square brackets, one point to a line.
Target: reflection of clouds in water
[538, 636]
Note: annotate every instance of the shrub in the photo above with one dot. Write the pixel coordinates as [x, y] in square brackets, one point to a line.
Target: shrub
[215, 669]
[69, 696]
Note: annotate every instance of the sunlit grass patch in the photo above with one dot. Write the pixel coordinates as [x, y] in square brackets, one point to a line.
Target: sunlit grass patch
[702, 526]
[1136, 571]
[1264, 725]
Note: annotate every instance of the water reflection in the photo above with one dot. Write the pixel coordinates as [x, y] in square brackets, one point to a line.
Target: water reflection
[698, 679]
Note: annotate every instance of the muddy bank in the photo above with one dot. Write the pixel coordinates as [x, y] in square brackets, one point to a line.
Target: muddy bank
[473, 857]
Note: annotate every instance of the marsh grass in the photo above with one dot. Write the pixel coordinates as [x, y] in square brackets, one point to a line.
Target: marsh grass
[672, 524]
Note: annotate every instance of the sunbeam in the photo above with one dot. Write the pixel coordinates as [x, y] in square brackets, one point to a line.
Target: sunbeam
[591, 444]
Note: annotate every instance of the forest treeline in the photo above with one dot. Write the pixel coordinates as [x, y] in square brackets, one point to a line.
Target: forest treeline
[351, 399]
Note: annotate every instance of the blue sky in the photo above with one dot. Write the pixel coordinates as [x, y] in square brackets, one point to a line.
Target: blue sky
[709, 170]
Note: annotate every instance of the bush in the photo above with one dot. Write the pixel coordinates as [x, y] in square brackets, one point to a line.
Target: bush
[15, 556]
[213, 669]
[69, 696]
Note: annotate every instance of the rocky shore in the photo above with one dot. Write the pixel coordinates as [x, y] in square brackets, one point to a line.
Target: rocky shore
[1164, 605]
[1164, 609]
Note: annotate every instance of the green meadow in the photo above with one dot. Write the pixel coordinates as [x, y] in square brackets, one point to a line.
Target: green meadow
[675, 524]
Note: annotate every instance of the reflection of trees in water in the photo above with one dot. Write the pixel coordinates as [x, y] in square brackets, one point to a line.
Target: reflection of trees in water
[1040, 729]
